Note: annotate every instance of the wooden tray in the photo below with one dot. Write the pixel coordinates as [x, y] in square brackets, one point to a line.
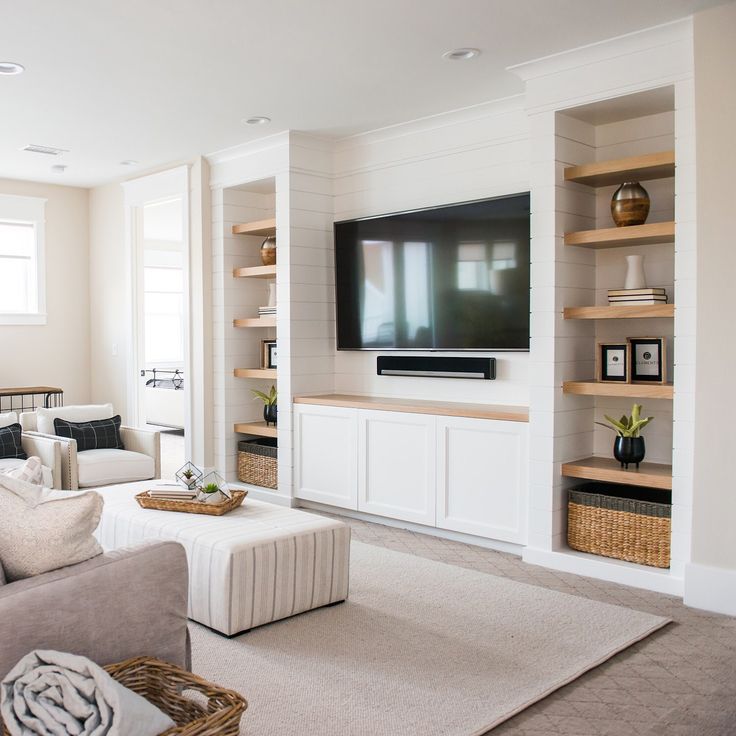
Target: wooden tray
[191, 507]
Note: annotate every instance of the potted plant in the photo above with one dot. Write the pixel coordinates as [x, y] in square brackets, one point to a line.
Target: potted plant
[269, 404]
[189, 475]
[213, 489]
[628, 447]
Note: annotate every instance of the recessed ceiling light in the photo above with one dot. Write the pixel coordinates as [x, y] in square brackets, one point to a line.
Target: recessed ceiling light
[128, 162]
[11, 67]
[461, 54]
[58, 168]
[257, 120]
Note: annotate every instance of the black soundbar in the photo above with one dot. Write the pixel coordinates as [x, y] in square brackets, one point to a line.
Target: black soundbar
[436, 367]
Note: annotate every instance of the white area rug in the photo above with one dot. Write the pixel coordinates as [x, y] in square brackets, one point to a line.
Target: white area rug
[421, 647]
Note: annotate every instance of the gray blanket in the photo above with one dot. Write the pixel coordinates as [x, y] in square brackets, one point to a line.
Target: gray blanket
[58, 694]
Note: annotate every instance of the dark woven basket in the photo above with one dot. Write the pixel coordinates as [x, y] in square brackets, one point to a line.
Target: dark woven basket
[624, 523]
[258, 462]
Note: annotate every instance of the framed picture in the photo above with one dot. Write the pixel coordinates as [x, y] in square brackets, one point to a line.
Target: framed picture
[269, 354]
[613, 362]
[648, 359]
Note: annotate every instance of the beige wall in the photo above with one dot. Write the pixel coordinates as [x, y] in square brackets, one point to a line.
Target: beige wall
[57, 353]
[714, 509]
[108, 300]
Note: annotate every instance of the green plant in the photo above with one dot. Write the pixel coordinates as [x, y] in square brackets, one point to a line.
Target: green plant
[210, 488]
[628, 426]
[188, 474]
[268, 399]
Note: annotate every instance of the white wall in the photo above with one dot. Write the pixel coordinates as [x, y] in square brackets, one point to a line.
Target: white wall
[57, 353]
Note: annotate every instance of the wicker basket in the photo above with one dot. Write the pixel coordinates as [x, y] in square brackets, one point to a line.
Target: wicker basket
[164, 684]
[625, 523]
[258, 463]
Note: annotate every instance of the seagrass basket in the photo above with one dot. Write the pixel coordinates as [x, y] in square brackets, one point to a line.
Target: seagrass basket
[211, 711]
[625, 523]
[258, 462]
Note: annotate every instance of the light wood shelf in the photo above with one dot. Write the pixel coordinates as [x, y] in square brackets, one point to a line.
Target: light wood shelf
[255, 322]
[257, 227]
[620, 237]
[418, 406]
[609, 470]
[269, 373]
[616, 171]
[257, 428]
[629, 390]
[255, 272]
[620, 311]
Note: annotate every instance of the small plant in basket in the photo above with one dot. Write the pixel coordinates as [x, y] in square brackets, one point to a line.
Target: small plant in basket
[269, 400]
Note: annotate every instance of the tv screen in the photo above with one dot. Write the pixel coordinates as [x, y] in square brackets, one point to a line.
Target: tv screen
[447, 278]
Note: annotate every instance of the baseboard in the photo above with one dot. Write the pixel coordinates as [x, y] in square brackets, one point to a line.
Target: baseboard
[710, 588]
[263, 494]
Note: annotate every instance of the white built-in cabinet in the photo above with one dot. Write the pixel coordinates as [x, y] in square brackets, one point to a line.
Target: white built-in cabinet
[453, 473]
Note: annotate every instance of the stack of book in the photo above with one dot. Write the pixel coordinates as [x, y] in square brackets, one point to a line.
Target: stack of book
[172, 493]
[266, 311]
[653, 295]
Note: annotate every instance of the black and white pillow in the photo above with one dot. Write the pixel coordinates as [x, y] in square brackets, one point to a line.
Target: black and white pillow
[10, 445]
[100, 434]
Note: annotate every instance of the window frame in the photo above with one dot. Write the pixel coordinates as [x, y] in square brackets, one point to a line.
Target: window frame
[20, 209]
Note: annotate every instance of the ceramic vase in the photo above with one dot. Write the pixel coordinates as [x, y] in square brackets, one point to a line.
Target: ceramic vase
[270, 412]
[272, 294]
[268, 251]
[630, 204]
[629, 450]
[635, 277]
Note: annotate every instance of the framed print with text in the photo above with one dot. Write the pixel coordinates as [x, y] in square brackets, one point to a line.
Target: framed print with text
[648, 359]
[613, 362]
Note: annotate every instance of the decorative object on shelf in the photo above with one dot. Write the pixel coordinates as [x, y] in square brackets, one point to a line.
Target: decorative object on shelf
[272, 294]
[269, 404]
[628, 447]
[213, 488]
[268, 354]
[613, 362]
[635, 276]
[641, 297]
[630, 204]
[258, 462]
[268, 251]
[648, 359]
[188, 475]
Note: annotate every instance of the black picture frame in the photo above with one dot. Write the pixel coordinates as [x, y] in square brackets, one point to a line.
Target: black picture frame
[647, 358]
[613, 362]
[272, 354]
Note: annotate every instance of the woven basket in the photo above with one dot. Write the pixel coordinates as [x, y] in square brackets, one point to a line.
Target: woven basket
[623, 523]
[164, 685]
[258, 462]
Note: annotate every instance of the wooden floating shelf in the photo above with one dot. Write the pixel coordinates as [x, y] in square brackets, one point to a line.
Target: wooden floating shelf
[255, 322]
[255, 272]
[620, 237]
[629, 390]
[617, 171]
[257, 428]
[609, 470]
[269, 373]
[257, 227]
[620, 311]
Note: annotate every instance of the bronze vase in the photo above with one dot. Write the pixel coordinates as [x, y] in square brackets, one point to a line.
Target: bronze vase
[268, 251]
[630, 204]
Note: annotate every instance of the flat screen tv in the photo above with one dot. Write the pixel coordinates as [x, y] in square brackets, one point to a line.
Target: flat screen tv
[447, 278]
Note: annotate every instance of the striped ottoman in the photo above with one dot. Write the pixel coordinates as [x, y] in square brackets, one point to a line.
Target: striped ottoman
[257, 564]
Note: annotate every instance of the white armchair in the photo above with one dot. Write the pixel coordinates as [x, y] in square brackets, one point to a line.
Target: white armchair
[46, 449]
[140, 460]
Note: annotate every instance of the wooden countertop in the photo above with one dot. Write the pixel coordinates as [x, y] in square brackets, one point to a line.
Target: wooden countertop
[418, 406]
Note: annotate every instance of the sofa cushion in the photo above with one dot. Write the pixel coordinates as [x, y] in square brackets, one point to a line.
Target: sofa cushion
[10, 442]
[8, 465]
[9, 417]
[42, 530]
[82, 413]
[105, 467]
[99, 434]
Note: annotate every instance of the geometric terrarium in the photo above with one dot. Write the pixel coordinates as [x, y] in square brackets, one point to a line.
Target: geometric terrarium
[189, 476]
[213, 488]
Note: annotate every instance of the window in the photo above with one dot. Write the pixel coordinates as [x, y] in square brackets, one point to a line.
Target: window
[22, 282]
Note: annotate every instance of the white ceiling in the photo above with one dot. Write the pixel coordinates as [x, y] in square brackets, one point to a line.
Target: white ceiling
[161, 81]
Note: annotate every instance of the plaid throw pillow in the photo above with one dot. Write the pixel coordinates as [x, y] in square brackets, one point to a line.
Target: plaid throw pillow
[10, 445]
[101, 434]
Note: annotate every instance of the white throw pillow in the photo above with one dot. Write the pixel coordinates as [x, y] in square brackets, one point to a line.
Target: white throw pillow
[29, 471]
[42, 530]
[84, 413]
[8, 418]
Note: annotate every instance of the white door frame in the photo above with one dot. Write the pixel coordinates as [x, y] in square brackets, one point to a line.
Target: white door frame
[139, 192]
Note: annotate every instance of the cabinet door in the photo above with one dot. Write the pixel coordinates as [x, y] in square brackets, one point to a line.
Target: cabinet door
[325, 450]
[482, 477]
[396, 469]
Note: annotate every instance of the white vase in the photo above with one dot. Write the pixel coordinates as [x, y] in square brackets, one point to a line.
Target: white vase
[635, 278]
[272, 294]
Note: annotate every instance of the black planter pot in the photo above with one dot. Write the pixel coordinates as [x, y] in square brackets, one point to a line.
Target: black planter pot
[629, 450]
[269, 413]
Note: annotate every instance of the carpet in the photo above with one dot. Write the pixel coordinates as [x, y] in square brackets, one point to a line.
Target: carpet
[421, 647]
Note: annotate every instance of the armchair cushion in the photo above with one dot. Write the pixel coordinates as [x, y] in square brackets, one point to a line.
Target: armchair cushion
[44, 418]
[10, 442]
[98, 434]
[7, 418]
[104, 467]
